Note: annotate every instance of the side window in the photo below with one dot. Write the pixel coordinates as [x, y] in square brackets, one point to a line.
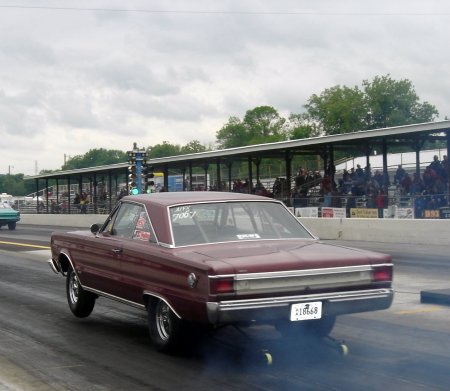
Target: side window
[125, 222]
[130, 221]
[143, 229]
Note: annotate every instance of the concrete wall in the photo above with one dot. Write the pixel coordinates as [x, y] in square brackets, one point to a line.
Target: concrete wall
[61, 220]
[377, 230]
[381, 230]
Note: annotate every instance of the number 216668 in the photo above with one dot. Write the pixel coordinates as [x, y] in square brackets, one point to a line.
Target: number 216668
[303, 311]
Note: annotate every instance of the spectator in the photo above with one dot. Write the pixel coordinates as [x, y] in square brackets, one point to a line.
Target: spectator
[419, 205]
[378, 176]
[429, 176]
[445, 168]
[260, 189]
[84, 201]
[436, 165]
[381, 200]
[399, 175]
[406, 184]
[417, 184]
[63, 206]
[359, 173]
[76, 201]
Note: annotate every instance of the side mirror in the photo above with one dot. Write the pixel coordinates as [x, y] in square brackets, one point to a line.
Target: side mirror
[95, 228]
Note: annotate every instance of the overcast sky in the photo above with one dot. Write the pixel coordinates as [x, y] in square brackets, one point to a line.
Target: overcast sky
[82, 74]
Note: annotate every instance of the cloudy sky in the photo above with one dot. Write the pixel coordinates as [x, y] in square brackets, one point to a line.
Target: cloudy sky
[82, 74]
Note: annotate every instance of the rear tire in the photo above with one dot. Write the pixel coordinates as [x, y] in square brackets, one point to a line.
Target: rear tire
[166, 329]
[81, 302]
[12, 226]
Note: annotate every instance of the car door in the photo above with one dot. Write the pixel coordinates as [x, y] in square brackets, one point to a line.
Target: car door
[103, 256]
[139, 259]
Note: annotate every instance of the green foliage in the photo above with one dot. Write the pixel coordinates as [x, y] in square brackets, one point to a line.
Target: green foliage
[163, 150]
[233, 134]
[394, 103]
[338, 110]
[382, 102]
[260, 125]
[95, 157]
[193, 146]
[15, 185]
[300, 126]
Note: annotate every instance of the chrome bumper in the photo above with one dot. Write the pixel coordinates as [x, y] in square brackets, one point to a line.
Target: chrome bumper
[55, 266]
[277, 308]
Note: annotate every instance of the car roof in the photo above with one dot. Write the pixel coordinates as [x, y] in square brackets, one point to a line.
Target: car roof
[181, 197]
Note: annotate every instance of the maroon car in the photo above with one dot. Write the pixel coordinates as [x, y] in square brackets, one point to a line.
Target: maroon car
[192, 259]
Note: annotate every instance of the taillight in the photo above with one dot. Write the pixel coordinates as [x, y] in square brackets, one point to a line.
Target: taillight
[221, 285]
[382, 273]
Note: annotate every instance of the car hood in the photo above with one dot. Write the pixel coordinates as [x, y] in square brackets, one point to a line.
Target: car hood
[269, 256]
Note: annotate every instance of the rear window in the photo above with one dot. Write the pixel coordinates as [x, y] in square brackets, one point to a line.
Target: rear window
[233, 221]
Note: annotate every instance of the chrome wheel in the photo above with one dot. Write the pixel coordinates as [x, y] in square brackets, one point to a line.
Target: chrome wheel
[167, 331]
[81, 303]
[73, 288]
[163, 320]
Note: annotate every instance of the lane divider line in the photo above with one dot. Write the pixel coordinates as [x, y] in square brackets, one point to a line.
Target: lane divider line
[418, 311]
[24, 245]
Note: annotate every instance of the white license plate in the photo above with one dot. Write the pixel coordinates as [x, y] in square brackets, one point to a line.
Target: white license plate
[303, 311]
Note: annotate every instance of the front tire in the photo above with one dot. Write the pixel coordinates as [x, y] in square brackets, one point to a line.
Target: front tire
[166, 329]
[12, 226]
[81, 302]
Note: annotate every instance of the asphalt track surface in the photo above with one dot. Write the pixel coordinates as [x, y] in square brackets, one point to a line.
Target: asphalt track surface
[44, 347]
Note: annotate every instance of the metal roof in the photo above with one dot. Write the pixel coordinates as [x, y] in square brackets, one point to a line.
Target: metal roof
[399, 134]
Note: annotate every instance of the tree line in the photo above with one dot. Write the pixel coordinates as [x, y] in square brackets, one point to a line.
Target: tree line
[377, 103]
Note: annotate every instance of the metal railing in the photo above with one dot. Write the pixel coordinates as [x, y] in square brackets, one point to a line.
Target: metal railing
[394, 204]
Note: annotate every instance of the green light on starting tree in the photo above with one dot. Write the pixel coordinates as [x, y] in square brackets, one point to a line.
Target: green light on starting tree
[134, 191]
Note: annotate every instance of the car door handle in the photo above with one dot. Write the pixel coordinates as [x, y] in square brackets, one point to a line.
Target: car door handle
[117, 250]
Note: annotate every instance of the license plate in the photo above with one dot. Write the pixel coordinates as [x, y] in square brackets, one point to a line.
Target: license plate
[303, 311]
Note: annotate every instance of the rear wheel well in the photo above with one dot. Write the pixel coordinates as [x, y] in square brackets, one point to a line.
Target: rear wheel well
[150, 300]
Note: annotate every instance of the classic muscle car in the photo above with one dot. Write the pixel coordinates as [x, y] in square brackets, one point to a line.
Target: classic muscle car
[193, 259]
[8, 216]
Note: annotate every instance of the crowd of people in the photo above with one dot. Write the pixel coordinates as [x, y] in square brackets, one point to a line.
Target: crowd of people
[427, 191]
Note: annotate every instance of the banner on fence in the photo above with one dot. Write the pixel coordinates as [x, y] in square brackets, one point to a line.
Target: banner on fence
[334, 213]
[393, 212]
[445, 213]
[431, 214]
[405, 213]
[366, 213]
[307, 212]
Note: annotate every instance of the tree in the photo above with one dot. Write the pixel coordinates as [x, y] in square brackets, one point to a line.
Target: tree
[193, 146]
[381, 103]
[233, 134]
[163, 150]
[300, 127]
[338, 110]
[95, 157]
[15, 185]
[394, 103]
[262, 124]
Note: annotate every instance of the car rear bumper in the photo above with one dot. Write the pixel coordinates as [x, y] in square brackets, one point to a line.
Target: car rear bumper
[54, 265]
[335, 303]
